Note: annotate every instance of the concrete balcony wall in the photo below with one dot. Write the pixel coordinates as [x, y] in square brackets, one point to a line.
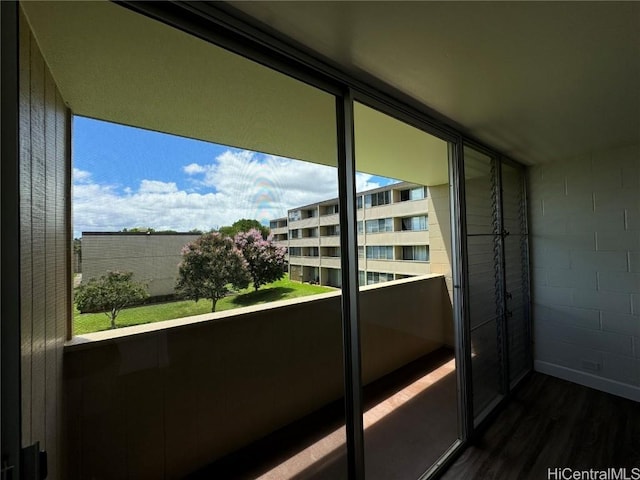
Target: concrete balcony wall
[401, 209]
[331, 241]
[333, 262]
[304, 242]
[398, 238]
[333, 219]
[405, 267]
[280, 230]
[306, 261]
[303, 223]
[162, 400]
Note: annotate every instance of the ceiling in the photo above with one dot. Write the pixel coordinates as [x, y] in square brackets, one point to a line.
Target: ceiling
[540, 81]
[116, 65]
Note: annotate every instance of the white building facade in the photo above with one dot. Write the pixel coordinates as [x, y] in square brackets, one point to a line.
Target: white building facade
[393, 236]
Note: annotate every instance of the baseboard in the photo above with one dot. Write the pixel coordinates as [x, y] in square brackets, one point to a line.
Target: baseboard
[588, 380]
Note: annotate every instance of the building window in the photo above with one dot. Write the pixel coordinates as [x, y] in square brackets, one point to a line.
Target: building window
[378, 277]
[295, 251]
[310, 232]
[377, 199]
[417, 253]
[413, 194]
[331, 231]
[415, 223]
[361, 278]
[310, 252]
[331, 252]
[360, 227]
[379, 225]
[297, 233]
[294, 215]
[330, 209]
[359, 202]
[380, 253]
[360, 252]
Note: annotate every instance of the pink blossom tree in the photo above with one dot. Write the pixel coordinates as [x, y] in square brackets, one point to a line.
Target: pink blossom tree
[264, 259]
[210, 264]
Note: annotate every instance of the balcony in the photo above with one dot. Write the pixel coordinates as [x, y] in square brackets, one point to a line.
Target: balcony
[304, 242]
[332, 219]
[404, 237]
[169, 399]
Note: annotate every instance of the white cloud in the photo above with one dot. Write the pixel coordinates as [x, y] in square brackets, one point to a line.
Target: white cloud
[239, 184]
[155, 186]
[193, 168]
[80, 176]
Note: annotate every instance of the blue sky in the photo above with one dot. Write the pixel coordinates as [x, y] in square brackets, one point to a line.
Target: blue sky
[126, 177]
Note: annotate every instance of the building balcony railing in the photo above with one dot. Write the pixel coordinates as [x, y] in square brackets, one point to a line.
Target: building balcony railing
[304, 242]
[304, 223]
[280, 230]
[306, 261]
[332, 219]
[192, 390]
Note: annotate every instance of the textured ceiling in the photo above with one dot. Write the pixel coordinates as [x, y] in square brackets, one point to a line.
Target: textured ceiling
[539, 80]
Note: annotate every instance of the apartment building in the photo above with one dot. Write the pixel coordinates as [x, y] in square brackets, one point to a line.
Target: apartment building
[393, 236]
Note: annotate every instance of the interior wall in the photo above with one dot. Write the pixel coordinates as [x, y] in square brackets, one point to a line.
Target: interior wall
[45, 246]
[585, 257]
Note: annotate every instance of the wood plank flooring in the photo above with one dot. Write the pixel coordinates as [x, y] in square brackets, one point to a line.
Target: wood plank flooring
[551, 423]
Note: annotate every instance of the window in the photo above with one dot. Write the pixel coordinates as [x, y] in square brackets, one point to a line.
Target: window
[380, 253]
[417, 253]
[359, 202]
[310, 213]
[330, 209]
[379, 225]
[294, 215]
[378, 277]
[296, 233]
[377, 199]
[331, 231]
[417, 193]
[360, 252]
[331, 252]
[310, 232]
[310, 252]
[360, 227]
[295, 251]
[415, 223]
[361, 278]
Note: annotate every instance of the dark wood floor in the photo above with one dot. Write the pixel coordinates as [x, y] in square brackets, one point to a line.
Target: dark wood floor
[553, 423]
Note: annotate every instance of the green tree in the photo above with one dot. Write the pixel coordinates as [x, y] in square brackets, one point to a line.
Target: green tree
[265, 260]
[244, 225]
[209, 265]
[139, 230]
[109, 294]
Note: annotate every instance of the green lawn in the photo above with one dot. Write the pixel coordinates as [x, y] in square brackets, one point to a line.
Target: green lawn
[280, 290]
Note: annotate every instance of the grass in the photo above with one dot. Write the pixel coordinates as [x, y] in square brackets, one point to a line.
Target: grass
[281, 290]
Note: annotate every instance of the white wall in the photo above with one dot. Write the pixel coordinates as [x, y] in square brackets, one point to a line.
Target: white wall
[585, 258]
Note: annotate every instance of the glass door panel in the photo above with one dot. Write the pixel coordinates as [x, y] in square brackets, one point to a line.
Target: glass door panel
[406, 321]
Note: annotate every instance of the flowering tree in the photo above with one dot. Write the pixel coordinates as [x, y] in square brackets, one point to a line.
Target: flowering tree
[209, 265]
[265, 260]
[109, 294]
